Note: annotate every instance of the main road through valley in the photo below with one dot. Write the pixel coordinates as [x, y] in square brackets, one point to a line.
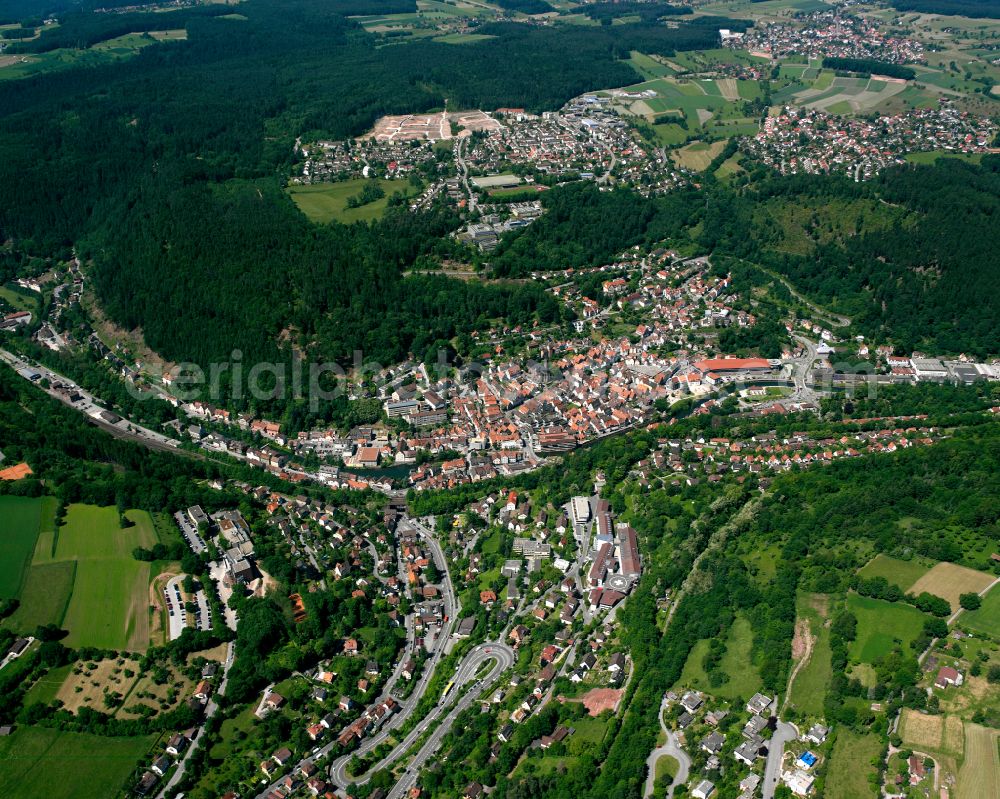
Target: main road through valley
[444, 713]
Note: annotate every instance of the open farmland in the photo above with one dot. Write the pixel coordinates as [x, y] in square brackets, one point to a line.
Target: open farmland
[697, 155]
[712, 106]
[37, 761]
[903, 573]
[811, 645]
[979, 776]
[987, 618]
[108, 606]
[44, 596]
[880, 625]
[851, 764]
[326, 202]
[934, 733]
[24, 518]
[950, 581]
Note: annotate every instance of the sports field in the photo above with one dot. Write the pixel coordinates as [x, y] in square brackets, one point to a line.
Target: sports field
[987, 618]
[903, 573]
[950, 581]
[880, 625]
[37, 761]
[23, 519]
[325, 202]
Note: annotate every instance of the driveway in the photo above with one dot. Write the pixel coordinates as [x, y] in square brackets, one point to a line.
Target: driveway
[784, 734]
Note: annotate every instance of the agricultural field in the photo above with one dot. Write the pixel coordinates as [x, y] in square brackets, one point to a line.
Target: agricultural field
[698, 155]
[811, 645]
[903, 573]
[968, 751]
[932, 733]
[24, 518]
[37, 761]
[840, 95]
[650, 67]
[950, 581]
[851, 764]
[463, 38]
[987, 618]
[109, 605]
[44, 596]
[770, 9]
[325, 202]
[711, 108]
[83, 577]
[880, 625]
[743, 679]
[117, 49]
[930, 156]
[979, 776]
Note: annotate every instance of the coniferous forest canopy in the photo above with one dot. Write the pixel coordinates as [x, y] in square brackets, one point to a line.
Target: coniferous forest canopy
[167, 174]
[965, 8]
[184, 147]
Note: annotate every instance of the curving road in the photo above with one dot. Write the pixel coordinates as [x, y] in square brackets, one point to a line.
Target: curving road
[444, 712]
[452, 607]
[672, 748]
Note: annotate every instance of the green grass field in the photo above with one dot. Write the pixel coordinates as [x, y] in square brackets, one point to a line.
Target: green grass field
[930, 156]
[463, 38]
[36, 761]
[880, 623]
[326, 202]
[979, 777]
[648, 67]
[743, 680]
[987, 618]
[24, 518]
[850, 765]
[19, 299]
[109, 595]
[813, 679]
[903, 573]
[45, 689]
[44, 597]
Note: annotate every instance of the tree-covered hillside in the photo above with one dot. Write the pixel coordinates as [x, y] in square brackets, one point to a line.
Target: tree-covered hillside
[908, 257]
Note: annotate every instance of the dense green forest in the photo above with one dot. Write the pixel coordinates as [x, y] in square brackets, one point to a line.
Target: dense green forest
[869, 67]
[894, 254]
[648, 12]
[166, 171]
[584, 226]
[205, 269]
[965, 8]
